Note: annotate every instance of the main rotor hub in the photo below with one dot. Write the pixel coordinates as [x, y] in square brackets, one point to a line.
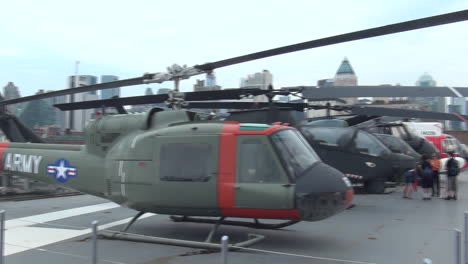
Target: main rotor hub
[176, 100]
[174, 73]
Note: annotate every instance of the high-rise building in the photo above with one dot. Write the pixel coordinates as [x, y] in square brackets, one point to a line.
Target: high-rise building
[210, 79]
[109, 93]
[428, 103]
[11, 91]
[260, 80]
[426, 80]
[77, 120]
[59, 115]
[438, 104]
[345, 75]
[324, 83]
[163, 90]
[209, 84]
[149, 91]
[199, 85]
[456, 105]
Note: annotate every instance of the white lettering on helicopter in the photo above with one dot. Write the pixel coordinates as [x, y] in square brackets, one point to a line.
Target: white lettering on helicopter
[428, 133]
[22, 163]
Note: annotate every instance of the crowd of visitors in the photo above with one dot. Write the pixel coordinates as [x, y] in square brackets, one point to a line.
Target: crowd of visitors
[427, 175]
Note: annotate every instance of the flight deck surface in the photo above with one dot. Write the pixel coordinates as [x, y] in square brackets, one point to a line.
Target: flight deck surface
[382, 229]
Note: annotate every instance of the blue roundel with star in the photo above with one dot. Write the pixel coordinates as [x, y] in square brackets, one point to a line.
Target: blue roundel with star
[62, 170]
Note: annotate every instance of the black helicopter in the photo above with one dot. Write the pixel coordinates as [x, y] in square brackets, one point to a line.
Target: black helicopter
[419, 144]
[362, 156]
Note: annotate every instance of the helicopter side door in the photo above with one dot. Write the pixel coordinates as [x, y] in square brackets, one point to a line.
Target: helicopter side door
[372, 156]
[186, 176]
[261, 181]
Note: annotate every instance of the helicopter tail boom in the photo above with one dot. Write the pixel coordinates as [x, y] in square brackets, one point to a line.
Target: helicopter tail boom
[53, 164]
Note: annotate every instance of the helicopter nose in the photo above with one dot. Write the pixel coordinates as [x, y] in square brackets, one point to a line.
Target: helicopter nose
[321, 192]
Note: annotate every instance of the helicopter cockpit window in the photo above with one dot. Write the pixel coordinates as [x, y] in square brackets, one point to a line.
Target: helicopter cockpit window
[327, 136]
[256, 163]
[390, 142]
[396, 145]
[367, 144]
[400, 132]
[459, 147]
[296, 153]
[449, 145]
[186, 162]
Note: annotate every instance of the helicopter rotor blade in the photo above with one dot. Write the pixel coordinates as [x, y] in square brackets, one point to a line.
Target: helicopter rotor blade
[385, 111]
[228, 94]
[114, 102]
[16, 131]
[244, 105]
[463, 91]
[362, 34]
[310, 92]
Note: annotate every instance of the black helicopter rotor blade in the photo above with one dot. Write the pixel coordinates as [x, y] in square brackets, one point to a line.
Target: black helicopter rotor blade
[358, 119]
[16, 131]
[462, 90]
[228, 94]
[310, 92]
[114, 102]
[385, 111]
[362, 34]
[244, 105]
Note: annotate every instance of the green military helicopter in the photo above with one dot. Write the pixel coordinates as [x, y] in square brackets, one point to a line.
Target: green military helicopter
[172, 162]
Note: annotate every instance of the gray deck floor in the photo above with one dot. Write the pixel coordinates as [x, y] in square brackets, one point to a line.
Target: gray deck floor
[384, 229]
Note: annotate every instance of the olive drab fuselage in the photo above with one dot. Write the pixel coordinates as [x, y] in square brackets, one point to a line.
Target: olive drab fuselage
[164, 162]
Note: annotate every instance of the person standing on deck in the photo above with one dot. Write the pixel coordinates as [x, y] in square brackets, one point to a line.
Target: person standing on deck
[410, 178]
[452, 173]
[425, 173]
[436, 164]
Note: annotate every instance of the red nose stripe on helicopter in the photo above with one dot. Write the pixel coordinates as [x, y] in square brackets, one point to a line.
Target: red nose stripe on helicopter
[227, 166]
[3, 146]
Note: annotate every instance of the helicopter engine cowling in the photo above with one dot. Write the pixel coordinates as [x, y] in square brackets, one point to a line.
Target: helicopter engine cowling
[319, 197]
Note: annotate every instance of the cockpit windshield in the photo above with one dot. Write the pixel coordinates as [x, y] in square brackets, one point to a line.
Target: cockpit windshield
[397, 145]
[295, 152]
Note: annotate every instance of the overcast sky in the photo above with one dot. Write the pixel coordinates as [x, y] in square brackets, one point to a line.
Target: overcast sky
[41, 40]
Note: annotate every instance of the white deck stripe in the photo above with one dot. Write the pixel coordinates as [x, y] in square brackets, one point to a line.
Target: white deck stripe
[47, 217]
[21, 236]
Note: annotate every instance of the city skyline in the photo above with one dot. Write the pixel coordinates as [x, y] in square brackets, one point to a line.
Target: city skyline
[40, 44]
[242, 82]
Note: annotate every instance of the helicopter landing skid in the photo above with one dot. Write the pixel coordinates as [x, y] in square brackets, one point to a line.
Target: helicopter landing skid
[252, 239]
[207, 244]
[256, 224]
[127, 226]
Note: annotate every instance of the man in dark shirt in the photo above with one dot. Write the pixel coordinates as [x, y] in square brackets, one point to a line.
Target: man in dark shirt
[452, 173]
